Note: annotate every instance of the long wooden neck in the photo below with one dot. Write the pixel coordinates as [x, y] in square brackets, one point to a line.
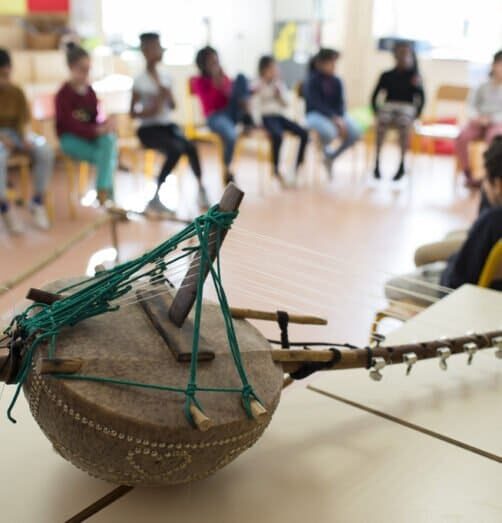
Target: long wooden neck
[342, 358]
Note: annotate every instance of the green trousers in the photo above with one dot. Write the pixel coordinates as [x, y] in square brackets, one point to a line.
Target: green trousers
[100, 151]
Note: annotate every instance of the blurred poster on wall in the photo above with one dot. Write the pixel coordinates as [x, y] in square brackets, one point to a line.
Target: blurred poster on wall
[13, 7]
[294, 44]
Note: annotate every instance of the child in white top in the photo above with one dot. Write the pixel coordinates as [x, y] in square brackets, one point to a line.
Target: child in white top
[271, 102]
[151, 103]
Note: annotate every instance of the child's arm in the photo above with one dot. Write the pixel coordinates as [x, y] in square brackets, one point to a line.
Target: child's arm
[280, 94]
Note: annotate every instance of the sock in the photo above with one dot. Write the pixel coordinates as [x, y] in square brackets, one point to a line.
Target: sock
[4, 207]
[247, 120]
[38, 200]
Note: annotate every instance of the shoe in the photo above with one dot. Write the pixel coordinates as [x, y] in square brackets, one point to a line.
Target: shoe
[40, 218]
[376, 173]
[328, 164]
[12, 222]
[400, 173]
[202, 199]
[156, 209]
[282, 181]
[229, 177]
[104, 196]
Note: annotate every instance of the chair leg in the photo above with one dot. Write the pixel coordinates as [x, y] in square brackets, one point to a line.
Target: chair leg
[149, 165]
[24, 173]
[49, 206]
[70, 171]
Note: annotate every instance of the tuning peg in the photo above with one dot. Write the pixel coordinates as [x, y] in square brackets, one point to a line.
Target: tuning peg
[471, 348]
[377, 365]
[444, 353]
[410, 358]
[497, 343]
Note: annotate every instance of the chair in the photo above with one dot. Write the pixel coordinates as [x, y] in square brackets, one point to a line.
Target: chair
[428, 131]
[196, 131]
[78, 181]
[129, 144]
[21, 162]
[440, 251]
[316, 140]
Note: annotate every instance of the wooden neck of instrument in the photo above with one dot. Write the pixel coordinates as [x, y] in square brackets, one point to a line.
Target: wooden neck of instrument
[186, 295]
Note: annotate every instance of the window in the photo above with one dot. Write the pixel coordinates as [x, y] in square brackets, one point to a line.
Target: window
[181, 32]
[452, 29]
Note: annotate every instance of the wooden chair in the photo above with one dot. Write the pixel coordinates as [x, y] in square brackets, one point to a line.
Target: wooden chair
[440, 251]
[428, 131]
[77, 172]
[315, 140]
[197, 131]
[22, 163]
[129, 145]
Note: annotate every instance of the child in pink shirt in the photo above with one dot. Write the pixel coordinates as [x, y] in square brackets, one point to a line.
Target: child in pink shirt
[225, 102]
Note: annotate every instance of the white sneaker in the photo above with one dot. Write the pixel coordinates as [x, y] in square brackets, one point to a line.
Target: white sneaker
[156, 209]
[40, 218]
[12, 222]
[202, 199]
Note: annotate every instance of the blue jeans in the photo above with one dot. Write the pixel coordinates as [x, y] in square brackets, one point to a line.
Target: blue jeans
[223, 122]
[328, 131]
[42, 158]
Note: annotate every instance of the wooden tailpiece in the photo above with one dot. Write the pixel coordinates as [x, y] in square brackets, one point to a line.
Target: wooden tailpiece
[179, 340]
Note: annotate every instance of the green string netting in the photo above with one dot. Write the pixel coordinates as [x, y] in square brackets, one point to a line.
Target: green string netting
[91, 297]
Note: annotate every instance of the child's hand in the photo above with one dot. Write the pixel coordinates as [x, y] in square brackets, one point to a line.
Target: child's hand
[341, 126]
[484, 120]
[111, 124]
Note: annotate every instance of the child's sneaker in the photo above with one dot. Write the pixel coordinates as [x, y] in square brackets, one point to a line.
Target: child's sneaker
[40, 218]
[156, 209]
[12, 222]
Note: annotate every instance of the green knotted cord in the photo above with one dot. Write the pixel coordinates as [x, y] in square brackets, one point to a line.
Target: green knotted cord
[92, 297]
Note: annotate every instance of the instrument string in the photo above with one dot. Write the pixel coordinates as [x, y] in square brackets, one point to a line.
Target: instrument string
[251, 267]
[337, 259]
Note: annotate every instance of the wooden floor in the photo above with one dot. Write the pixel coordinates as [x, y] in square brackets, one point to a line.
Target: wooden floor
[335, 244]
[368, 231]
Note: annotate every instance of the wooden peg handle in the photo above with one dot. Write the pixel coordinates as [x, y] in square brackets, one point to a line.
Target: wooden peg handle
[202, 422]
[258, 411]
[58, 365]
[253, 314]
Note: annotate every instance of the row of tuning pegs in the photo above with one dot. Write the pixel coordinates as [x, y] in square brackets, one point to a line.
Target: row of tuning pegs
[443, 353]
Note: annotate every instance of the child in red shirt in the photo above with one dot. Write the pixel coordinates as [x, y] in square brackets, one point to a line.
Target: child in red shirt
[225, 102]
[81, 135]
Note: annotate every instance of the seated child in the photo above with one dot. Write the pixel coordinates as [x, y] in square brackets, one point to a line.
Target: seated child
[404, 100]
[270, 96]
[80, 134]
[325, 105]
[485, 117]
[152, 101]
[14, 116]
[466, 265]
[225, 102]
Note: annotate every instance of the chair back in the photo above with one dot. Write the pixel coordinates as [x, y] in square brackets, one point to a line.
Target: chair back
[492, 269]
[451, 94]
[193, 111]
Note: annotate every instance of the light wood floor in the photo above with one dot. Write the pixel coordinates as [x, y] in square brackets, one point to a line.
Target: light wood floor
[368, 230]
